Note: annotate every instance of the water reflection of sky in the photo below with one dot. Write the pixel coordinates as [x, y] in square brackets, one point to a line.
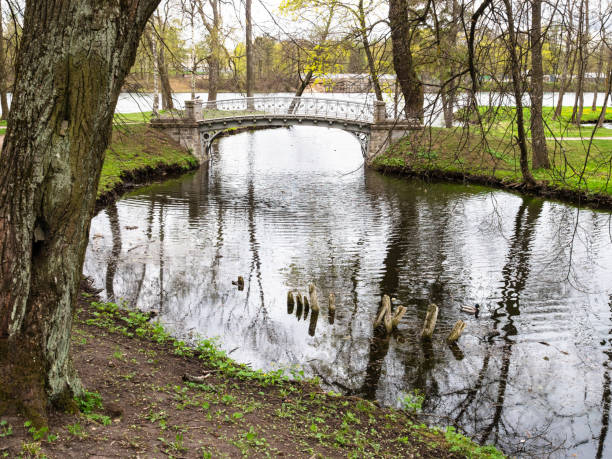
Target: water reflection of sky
[290, 206]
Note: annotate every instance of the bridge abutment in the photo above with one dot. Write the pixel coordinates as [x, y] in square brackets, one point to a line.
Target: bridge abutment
[186, 130]
[384, 133]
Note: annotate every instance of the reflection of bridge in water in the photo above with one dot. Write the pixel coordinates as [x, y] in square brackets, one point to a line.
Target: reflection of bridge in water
[197, 127]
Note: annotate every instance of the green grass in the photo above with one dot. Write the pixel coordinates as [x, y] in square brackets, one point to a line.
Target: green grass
[502, 120]
[136, 147]
[497, 155]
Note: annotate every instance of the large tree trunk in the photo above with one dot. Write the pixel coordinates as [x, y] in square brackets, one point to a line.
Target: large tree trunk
[518, 96]
[539, 154]
[3, 72]
[412, 88]
[214, 58]
[71, 65]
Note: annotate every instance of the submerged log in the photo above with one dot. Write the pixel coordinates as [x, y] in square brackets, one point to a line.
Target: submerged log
[290, 302]
[385, 309]
[456, 331]
[430, 322]
[314, 301]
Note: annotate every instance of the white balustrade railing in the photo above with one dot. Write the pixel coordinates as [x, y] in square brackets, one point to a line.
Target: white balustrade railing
[290, 105]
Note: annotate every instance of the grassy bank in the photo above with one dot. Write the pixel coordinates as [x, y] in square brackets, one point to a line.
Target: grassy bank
[139, 154]
[580, 170]
[140, 404]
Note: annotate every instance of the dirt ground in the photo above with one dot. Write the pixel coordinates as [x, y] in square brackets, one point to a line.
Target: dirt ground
[148, 410]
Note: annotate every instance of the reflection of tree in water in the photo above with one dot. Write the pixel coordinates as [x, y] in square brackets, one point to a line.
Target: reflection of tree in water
[111, 269]
[149, 234]
[605, 398]
[407, 245]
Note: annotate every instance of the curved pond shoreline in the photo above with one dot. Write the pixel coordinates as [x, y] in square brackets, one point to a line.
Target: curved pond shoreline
[580, 199]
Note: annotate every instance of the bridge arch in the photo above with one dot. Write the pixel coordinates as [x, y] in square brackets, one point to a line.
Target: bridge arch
[197, 128]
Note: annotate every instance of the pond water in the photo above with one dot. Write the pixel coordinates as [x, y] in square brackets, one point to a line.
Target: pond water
[287, 207]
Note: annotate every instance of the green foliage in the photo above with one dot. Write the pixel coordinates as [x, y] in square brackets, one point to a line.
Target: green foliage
[462, 445]
[37, 434]
[413, 402]
[89, 401]
[5, 429]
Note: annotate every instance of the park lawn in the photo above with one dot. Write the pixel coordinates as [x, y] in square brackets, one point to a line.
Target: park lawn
[502, 121]
[495, 156]
[136, 147]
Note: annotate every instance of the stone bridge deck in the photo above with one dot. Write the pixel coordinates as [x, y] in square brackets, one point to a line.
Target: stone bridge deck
[197, 128]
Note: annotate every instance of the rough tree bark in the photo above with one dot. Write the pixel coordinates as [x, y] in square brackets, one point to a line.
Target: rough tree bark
[73, 59]
[214, 57]
[518, 96]
[412, 88]
[539, 153]
[3, 72]
[166, 89]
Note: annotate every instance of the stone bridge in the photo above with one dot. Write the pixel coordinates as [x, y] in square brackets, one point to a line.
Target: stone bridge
[197, 128]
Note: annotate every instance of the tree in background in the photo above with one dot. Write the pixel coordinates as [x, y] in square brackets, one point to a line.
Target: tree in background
[538, 138]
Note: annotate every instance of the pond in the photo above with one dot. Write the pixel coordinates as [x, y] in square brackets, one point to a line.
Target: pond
[287, 207]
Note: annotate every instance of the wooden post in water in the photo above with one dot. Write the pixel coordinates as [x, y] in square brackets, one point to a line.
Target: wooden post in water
[290, 302]
[300, 305]
[430, 322]
[385, 309]
[399, 313]
[314, 301]
[314, 317]
[306, 305]
[456, 331]
[240, 283]
[331, 311]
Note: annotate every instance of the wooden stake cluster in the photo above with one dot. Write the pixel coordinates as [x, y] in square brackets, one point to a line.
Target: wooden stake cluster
[303, 304]
[390, 319]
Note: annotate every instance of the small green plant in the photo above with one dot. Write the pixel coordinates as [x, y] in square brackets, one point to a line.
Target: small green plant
[463, 445]
[5, 429]
[76, 430]
[89, 401]
[413, 402]
[37, 434]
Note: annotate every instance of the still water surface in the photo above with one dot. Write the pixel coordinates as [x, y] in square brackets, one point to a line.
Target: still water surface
[287, 207]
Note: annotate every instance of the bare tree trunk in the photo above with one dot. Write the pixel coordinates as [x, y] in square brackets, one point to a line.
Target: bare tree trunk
[448, 91]
[602, 115]
[154, 60]
[582, 62]
[71, 67]
[363, 32]
[539, 154]
[250, 83]
[600, 71]
[565, 81]
[518, 96]
[412, 88]
[3, 72]
[166, 89]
